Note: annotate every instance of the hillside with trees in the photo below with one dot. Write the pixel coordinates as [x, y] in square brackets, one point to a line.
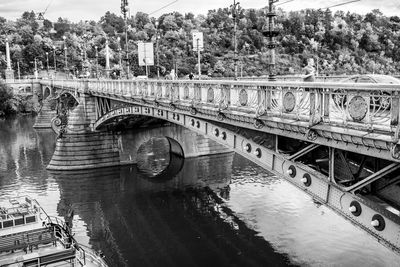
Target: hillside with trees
[341, 43]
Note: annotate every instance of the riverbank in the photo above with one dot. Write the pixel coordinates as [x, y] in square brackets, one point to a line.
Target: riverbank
[20, 104]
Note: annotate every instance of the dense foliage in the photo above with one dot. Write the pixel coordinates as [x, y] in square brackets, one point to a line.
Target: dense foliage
[340, 42]
[6, 100]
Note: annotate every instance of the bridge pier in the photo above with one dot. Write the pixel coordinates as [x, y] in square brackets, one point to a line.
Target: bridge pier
[78, 146]
[46, 114]
[88, 150]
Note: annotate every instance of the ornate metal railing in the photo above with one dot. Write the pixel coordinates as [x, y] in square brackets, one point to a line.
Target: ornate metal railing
[371, 107]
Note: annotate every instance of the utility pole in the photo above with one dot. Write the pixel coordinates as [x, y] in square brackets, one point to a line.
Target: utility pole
[65, 54]
[97, 62]
[47, 62]
[271, 33]
[124, 10]
[234, 15]
[198, 57]
[157, 51]
[19, 72]
[36, 70]
[54, 58]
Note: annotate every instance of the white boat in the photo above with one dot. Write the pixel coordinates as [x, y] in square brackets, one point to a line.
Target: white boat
[29, 237]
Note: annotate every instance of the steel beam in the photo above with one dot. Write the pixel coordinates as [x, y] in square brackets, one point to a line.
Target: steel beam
[302, 152]
[373, 177]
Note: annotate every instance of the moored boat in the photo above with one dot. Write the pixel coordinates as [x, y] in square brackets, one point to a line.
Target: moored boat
[29, 237]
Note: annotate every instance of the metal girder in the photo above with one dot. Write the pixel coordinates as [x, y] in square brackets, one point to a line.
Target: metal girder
[304, 151]
[373, 177]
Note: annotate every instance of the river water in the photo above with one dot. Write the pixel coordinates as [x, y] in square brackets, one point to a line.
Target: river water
[211, 211]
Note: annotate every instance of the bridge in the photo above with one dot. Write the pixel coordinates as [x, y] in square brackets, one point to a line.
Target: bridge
[339, 143]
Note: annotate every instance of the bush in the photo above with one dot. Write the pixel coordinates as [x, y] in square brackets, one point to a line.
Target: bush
[6, 100]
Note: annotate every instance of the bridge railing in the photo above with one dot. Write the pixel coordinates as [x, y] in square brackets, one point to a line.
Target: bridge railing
[371, 107]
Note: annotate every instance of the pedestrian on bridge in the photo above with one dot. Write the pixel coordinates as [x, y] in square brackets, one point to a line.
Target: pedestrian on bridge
[309, 71]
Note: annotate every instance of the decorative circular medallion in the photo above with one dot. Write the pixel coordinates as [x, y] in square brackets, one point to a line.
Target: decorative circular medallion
[210, 95]
[243, 98]
[358, 108]
[220, 116]
[289, 101]
[311, 135]
[193, 111]
[152, 89]
[258, 124]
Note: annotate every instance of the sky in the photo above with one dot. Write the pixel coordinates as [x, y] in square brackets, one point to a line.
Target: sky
[76, 10]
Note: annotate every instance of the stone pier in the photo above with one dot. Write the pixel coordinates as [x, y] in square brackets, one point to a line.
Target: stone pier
[79, 147]
[44, 117]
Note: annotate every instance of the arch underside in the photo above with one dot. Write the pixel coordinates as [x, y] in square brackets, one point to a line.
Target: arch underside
[265, 154]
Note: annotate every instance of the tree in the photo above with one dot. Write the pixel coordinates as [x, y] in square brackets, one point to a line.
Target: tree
[5, 100]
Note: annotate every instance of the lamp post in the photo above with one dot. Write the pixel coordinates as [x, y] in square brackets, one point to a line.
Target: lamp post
[271, 33]
[97, 62]
[119, 52]
[85, 64]
[157, 51]
[36, 70]
[19, 72]
[85, 36]
[54, 58]
[47, 62]
[234, 15]
[124, 10]
[65, 54]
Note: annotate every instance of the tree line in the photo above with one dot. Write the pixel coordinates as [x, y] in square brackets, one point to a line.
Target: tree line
[340, 42]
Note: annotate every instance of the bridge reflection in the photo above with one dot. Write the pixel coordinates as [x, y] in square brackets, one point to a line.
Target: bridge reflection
[179, 222]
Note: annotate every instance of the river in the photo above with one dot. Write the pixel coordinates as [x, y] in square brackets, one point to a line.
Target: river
[218, 210]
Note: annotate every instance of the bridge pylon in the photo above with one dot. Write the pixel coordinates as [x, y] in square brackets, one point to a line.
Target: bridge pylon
[78, 146]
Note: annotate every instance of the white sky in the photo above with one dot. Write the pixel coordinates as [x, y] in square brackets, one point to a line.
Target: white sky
[76, 10]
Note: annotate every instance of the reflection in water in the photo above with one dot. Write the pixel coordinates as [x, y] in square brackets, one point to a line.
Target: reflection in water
[23, 155]
[219, 211]
[155, 160]
[180, 222]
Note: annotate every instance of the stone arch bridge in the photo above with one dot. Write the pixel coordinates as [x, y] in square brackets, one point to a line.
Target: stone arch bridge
[339, 143]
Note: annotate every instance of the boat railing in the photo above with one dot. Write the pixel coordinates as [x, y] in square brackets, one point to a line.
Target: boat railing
[87, 254]
[26, 240]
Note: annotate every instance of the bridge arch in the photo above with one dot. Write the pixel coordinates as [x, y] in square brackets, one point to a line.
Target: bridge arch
[160, 158]
[46, 92]
[316, 184]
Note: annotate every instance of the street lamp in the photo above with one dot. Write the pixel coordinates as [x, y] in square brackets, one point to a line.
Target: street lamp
[119, 51]
[157, 50]
[234, 15]
[65, 54]
[47, 62]
[124, 10]
[85, 37]
[271, 33]
[54, 58]
[36, 70]
[97, 61]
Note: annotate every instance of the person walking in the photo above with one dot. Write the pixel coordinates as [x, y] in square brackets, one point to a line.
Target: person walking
[309, 71]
